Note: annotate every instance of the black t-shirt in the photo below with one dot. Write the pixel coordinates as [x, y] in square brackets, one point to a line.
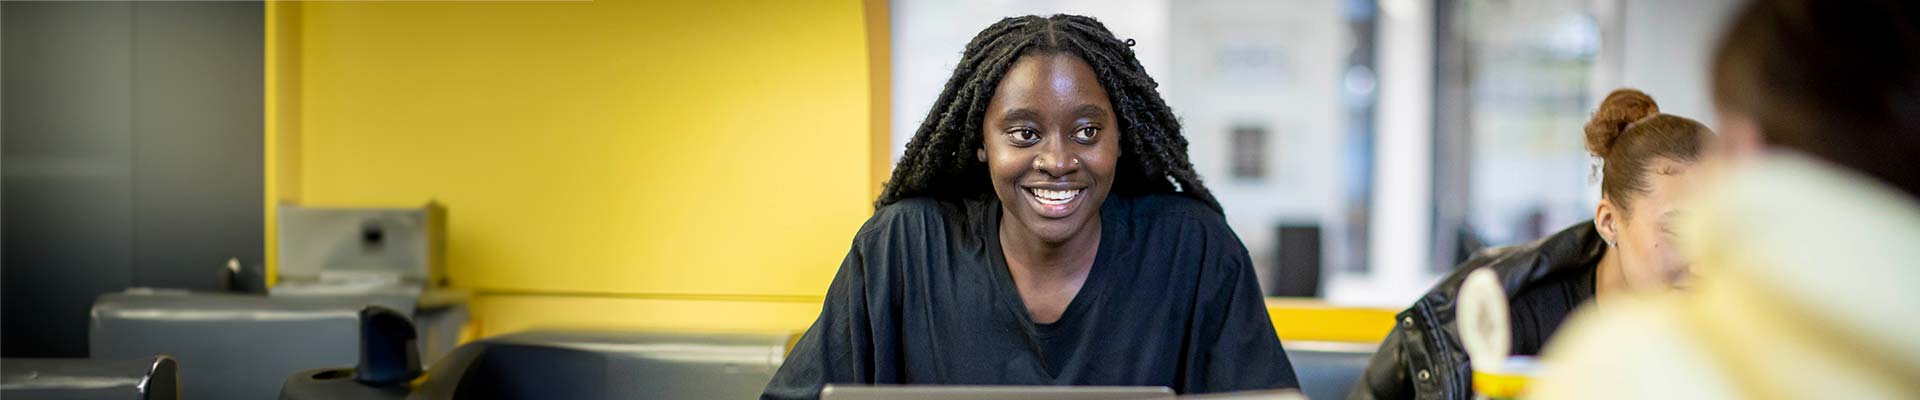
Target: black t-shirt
[925, 297]
[1538, 310]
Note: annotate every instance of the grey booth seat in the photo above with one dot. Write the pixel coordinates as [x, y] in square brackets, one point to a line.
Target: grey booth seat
[1327, 369]
[619, 365]
[553, 364]
[151, 378]
[236, 346]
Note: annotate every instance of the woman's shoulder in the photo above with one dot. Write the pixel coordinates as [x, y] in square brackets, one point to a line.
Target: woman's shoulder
[919, 214]
[1157, 210]
[1174, 221]
[910, 207]
[1572, 252]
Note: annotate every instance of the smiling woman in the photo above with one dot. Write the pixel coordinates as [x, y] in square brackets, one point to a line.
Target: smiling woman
[1044, 227]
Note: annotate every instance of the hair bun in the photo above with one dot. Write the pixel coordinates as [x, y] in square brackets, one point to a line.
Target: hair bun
[1621, 108]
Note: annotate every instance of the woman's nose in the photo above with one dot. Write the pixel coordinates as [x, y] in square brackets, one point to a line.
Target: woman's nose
[1054, 160]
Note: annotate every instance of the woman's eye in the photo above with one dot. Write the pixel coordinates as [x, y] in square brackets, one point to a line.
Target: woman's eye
[1024, 136]
[1086, 134]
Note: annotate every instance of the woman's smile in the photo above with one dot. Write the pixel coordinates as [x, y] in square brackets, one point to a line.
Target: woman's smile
[1055, 201]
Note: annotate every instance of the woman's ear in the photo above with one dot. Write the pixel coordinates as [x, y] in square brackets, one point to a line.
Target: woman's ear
[980, 153]
[1604, 220]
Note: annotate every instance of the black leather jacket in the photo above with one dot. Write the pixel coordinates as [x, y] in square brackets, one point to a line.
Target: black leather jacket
[1423, 359]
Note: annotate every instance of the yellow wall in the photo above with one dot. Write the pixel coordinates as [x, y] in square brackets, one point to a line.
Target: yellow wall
[622, 162]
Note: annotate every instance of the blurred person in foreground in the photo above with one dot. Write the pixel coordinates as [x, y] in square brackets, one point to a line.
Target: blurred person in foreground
[1044, 227]
[1805, 233]
[1646, 159]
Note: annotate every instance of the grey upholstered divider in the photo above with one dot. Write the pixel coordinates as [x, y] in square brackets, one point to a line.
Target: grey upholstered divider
[151, 378]
[233, 346]
[579, 365]
[230, 346]
[620, 365]
[609, 365]
[1326, 370]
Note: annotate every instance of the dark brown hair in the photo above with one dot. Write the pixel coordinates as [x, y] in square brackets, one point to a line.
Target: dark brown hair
[1839, 80]
[1628, 133]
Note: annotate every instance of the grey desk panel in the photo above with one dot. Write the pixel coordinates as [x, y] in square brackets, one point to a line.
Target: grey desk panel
[153, 378]
[1327, 370]
[609, 365]
[230, 346]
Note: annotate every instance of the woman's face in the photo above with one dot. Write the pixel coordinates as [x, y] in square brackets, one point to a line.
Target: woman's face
[1051, 143]
[1643, 235]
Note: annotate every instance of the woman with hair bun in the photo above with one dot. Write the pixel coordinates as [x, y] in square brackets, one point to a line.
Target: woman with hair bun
[1645, 157]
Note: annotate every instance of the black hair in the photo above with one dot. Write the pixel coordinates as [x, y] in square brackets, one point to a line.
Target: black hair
[1839, 80]
[940, 161]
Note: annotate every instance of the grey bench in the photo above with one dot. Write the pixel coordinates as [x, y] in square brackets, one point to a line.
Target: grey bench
[150, 378]
[580, 365]
[236, 346]
[1326, 369]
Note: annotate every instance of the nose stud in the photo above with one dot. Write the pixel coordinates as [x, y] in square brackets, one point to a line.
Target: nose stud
[1039, 163]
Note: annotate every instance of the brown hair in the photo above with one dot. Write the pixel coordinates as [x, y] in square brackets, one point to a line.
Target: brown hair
[1628, 133]
[1839, 80]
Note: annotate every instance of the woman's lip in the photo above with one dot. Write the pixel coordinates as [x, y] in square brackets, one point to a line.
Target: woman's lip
[1061, 210]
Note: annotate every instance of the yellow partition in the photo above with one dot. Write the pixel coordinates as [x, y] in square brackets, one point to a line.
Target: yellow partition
[1313, 320]
[693, 164]
[628, 147]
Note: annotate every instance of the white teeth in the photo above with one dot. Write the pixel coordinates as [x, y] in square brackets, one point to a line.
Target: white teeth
[1054, 197]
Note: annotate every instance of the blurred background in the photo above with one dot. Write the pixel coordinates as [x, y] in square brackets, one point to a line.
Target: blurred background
[703, 165]
[1362, 148]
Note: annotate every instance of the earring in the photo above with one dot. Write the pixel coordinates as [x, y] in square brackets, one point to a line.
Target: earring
[1603, 236]
[1076, 161]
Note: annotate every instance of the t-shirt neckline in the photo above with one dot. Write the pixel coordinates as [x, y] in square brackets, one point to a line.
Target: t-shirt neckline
[1090, 292]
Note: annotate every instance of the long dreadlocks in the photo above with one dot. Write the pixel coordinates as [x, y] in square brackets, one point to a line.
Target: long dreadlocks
[940, 162]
